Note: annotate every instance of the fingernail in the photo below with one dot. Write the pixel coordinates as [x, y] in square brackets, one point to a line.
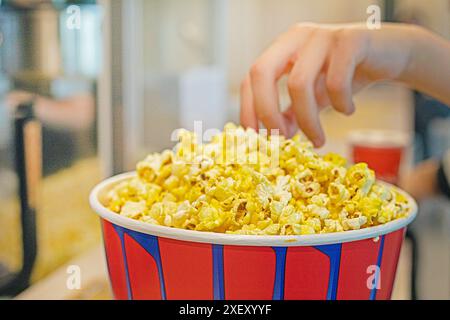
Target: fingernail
[292, 131]
[318, 142]
[351, 110]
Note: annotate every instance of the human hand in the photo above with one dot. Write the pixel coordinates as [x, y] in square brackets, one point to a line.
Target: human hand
[16, 98]
[325, 64]
[75, 112]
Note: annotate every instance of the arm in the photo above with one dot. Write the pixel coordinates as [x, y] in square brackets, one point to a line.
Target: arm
[76, 112]
[429, 68]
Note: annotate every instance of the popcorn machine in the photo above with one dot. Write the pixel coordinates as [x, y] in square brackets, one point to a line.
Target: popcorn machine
[27, 139]
[43, 61]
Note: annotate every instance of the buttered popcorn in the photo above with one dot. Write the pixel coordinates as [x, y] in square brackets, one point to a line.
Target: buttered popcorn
[243, 182]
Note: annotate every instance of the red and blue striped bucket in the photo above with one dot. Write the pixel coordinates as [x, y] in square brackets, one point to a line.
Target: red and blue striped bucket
[154, 262]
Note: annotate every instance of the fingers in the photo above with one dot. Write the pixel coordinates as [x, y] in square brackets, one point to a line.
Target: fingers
[291, 122]
[265, 98]
[342, 64]
[247, 113]
[323, 65]
[265, 73]
[301, 85]
[322, 98]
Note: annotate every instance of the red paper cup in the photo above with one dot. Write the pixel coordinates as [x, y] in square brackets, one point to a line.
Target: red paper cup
[147, 261]
[382, 150]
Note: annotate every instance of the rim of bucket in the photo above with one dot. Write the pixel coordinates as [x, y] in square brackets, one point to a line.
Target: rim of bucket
[243, 240]
[376, 138]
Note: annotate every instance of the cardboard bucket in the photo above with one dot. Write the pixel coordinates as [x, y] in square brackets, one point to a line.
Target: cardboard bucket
[382, 150]
[147, 261]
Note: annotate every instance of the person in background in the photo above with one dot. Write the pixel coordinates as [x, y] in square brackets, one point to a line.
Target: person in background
[76, 112]
[327, 64]
[61, 119]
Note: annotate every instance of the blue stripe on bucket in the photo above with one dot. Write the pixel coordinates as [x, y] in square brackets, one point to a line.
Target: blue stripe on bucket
[373, 293]
[280, 264]
[218, 276]
[120, 233]
[151, 245]
[333, 251]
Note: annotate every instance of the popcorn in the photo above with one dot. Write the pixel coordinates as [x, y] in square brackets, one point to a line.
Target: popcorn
[243, 182]
[133, 209]
[332, 226]
[354, 223]
[316, 211]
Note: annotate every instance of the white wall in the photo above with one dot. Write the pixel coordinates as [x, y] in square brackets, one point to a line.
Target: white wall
[177, 34]
[434, 14]
[253, 24]
[172, 27]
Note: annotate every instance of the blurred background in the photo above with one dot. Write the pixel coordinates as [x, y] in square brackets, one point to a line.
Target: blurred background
[103, 83]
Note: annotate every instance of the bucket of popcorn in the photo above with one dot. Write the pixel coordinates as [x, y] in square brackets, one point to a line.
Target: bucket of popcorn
[273, 221]
[382, 150]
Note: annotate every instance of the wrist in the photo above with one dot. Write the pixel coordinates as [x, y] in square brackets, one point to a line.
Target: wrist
[417, 40]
